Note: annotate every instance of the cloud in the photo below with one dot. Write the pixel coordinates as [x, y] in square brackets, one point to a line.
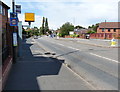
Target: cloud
[78, 12]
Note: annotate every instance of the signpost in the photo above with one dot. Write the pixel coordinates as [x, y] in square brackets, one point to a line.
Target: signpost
[14, 22]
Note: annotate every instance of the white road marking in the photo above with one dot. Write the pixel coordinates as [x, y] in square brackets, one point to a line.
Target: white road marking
[61, 44]
[73, 48]
[65, 46]
[104, 57]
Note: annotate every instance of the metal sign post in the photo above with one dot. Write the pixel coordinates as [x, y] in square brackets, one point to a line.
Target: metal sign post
[13, 22]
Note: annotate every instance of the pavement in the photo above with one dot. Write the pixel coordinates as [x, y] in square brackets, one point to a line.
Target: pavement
[94, 42]
[38, 70]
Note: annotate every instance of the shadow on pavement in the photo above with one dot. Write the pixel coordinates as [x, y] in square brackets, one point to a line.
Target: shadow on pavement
[24, 73]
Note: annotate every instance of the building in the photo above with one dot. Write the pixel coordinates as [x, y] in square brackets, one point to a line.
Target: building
[111, 29]
[5, 42]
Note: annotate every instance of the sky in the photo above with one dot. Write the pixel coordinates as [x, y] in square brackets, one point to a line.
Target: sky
[78, 12]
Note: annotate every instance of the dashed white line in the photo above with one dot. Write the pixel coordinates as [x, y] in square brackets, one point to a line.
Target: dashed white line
[65, 46]
[73, 48]
[61, 44]
[104, 57]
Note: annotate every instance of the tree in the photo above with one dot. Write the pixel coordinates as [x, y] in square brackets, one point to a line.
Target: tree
[42, 29]
[66, 28]
[93, 28]
[46, 26]
[35, 31]
[79, 27]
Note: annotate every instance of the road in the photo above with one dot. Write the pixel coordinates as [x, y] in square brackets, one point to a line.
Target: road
[97, 66]
[38, 70]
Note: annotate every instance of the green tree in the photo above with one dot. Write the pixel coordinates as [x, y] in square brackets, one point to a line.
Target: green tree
[79, 27]
[42, 29]
[93, 28]
[35, 31]
[66, 28]
[46, 26]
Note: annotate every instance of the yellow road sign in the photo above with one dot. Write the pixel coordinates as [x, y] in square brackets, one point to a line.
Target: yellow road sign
[29, 17]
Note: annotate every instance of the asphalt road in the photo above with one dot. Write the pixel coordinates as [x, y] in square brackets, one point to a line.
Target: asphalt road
[97, 66]
[39, 70]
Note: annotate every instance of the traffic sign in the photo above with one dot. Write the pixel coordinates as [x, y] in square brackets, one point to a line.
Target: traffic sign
[13, 15]
[15, 43]
[13, 21]
[29, 17]
[18, 9]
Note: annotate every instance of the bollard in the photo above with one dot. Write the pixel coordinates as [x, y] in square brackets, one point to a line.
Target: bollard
[113, 42]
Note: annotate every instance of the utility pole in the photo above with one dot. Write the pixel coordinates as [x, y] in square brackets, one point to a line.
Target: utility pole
[14, 31]
[105, 30]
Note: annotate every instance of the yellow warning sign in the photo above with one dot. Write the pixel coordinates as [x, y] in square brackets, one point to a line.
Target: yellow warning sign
[29, 17]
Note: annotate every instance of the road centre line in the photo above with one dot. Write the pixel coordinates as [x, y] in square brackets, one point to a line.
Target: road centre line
[104, 57]
[65, 46]
[73, 48]
[90, 53]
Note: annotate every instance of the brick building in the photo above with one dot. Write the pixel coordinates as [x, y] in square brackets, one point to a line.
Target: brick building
[5, 42]
[107, 30]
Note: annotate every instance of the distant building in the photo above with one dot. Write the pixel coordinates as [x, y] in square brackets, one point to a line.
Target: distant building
[109, 27]
[80, 31]
[107, 30]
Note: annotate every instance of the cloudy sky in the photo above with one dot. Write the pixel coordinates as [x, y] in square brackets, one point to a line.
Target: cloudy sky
[78, 12]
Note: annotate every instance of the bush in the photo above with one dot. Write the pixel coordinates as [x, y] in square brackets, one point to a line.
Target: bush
[74, 35]
[60, 35]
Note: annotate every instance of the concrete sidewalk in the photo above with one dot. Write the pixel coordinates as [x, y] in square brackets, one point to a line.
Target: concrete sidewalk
[94, 42]
[39, 71]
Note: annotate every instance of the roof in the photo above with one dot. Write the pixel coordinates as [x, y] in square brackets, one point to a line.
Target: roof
[109, 25]
[4, 5]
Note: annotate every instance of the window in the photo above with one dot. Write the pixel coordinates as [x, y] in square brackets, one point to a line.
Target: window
[3, 11]
[108, 30]
[114, 30]
[0, 9]
[103, 30]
